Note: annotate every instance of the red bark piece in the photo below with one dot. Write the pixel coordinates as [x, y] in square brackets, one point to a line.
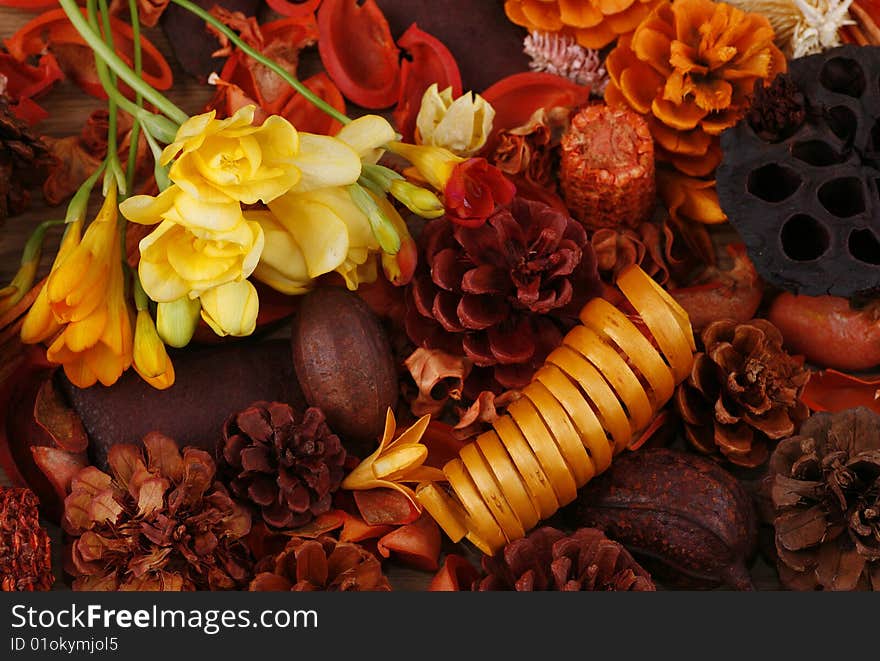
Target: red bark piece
[358, 52]
[294, 9]
[416, 544]
[430, 62]
[456, 575]
[60, 421]
[835, 391]
[51, 31]
[355, 529]
[305, 116]
[28, 5]
[517, 97]
[385, 507]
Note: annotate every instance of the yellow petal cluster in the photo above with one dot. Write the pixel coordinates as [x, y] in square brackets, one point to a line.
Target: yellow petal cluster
[395, 461]
[460, 125]
[83, 304]
[317, 229]
[206, 246]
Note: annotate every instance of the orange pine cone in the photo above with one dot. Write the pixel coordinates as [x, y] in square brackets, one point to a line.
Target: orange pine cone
[689, 68]
[607, 167]
[594, 23]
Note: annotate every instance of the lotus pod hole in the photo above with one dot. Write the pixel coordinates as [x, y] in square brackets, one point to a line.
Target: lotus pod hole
[774, 183]
[843, 76]
[804, 238]
[864, 246]
[806, 201]
[843, 197]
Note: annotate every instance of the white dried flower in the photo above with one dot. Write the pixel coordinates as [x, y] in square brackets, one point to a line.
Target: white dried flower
[560, 54]
[802, 27]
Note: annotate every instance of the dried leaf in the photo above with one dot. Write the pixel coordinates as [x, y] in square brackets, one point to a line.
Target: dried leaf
[59, 421]
[103, 508]
[385, 507]
[438, 376]
[416, 544]
[124, 461]
[456, 574]
[163, 456]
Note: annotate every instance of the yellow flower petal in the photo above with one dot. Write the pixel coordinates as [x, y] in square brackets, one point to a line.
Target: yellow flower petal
[366, 135]
[231, 309]
[324, 161]
[318, 231]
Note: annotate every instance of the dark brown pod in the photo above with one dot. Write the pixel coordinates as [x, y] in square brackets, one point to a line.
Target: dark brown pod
[344, 364]
[210, 384]
[690, 520]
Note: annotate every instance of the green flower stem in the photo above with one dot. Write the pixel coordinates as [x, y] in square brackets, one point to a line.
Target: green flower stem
[34, 246]
[114, 167]
[141, 301]
[134, 136]
[105, 53]
[76, 209]
[313, 98]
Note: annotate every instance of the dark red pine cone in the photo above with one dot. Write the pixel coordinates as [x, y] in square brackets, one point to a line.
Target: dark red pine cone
[502, 294]
[287, 468]
[548, 559]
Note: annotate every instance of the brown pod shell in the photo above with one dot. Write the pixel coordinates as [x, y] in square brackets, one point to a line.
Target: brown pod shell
[687, 517]
[344, 365]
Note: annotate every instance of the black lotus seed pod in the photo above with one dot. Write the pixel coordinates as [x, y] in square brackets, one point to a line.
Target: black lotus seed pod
[806, 200]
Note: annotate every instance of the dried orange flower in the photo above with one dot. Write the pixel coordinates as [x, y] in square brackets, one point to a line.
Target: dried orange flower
[594, 23]
[690, 68]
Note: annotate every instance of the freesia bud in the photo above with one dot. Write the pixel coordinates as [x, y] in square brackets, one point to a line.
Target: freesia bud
[176, 321]
[150, 359]
[434, 164]
[460, 125]
[419, 200]
[231, 309]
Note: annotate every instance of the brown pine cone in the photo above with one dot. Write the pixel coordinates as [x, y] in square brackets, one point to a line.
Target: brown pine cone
[24, 160]
[25, 555]
[504, 293]
[162, 524]
[548, 559]
[322, 564]
[825, 488]
[287, 468]
[743, 392]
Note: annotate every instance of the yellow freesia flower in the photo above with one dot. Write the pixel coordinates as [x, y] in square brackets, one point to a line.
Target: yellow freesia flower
[231, 309]
[219, 160]
[40, 323]
[195, 246]
[79, 284]
[311, 234]
[460, 125]
[150, 359]
[96, 343]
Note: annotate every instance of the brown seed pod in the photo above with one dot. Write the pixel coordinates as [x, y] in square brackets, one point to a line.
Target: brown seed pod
[344, 364]
[687, 518]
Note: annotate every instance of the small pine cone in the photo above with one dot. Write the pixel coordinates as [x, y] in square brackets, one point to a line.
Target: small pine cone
[743, 392]
[24, 161]
[548, 559]
[288, 468]
[825, 488]
[322, 564]
[607, 167]
[25, 556]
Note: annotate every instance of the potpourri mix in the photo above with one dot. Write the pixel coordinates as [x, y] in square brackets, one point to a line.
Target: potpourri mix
[520, 294]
